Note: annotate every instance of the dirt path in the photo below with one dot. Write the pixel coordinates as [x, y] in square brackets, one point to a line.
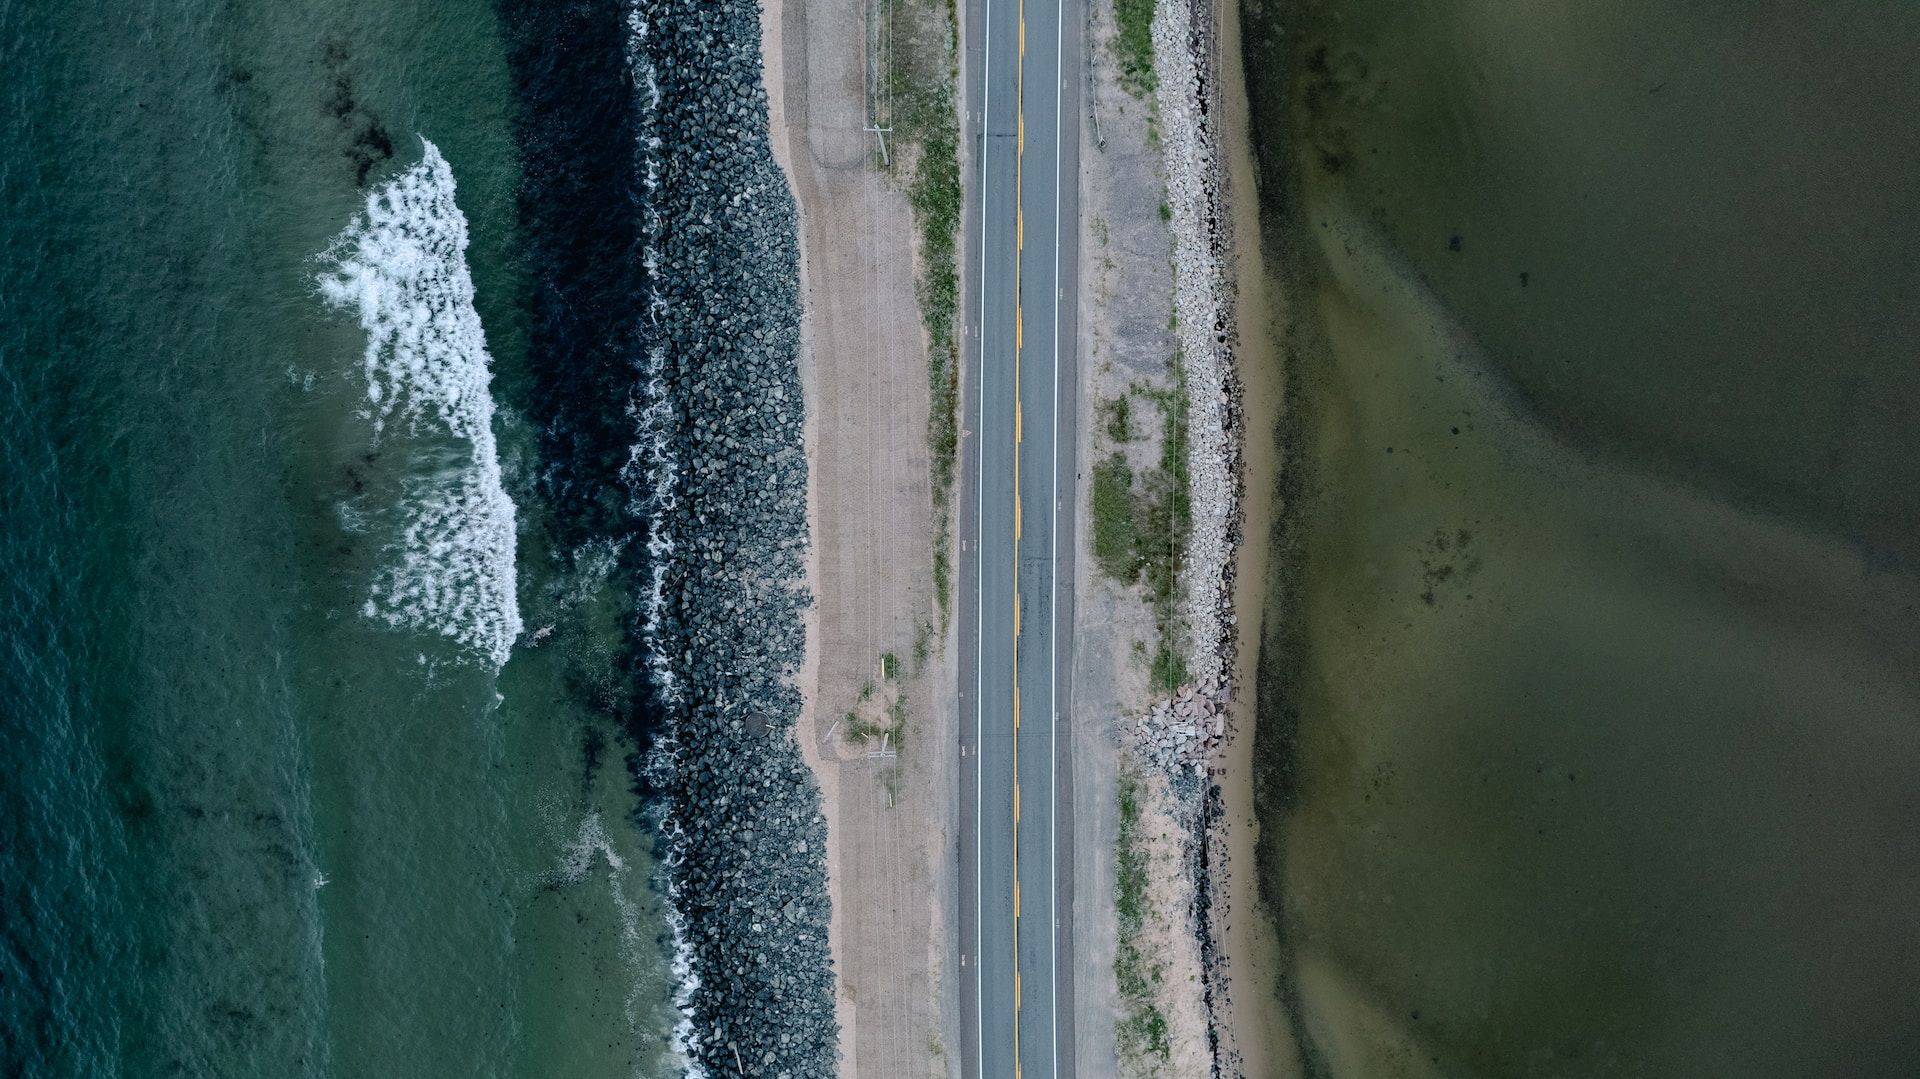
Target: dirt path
[877, 650]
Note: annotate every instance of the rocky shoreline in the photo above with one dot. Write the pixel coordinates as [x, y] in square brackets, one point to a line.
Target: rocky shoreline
[743, 834]
[1187, 100]
[1182, 737]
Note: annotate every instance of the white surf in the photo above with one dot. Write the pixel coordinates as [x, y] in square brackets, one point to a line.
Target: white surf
[401, 266]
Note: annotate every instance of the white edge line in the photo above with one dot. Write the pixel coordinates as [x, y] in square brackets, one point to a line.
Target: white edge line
[979, 573]
[1053, 640]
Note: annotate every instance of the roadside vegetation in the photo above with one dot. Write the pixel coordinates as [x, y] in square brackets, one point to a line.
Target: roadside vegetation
[892, 724]
[1133, 45]
[1116, 419]
[1116, 544]
[1142, 1029]
[881, 709]
[925, 156]
[1142, 523]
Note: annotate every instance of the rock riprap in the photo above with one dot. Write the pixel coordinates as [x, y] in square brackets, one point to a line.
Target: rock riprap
[1180, 736]
[745, 837]
[1187, 111]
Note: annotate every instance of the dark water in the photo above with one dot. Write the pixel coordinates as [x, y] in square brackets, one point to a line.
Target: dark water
[270, 802]
[1590, 717]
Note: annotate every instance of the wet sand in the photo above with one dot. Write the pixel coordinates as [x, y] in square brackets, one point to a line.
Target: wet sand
[1253, 1044]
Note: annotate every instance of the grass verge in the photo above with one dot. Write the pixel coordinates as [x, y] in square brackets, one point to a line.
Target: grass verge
[1166, 512]
[1116, 544]
[926, 130]
[1133, 45]
[1143, 1026]
[1141, 530]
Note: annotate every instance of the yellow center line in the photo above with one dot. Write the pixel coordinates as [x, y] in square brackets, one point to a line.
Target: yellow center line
[1019, 334]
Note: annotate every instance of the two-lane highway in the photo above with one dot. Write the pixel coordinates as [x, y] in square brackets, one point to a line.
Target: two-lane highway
[1017, 528]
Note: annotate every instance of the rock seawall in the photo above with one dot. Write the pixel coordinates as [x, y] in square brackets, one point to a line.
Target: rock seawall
[1187, 100]
[742, 827]
[1183, 736]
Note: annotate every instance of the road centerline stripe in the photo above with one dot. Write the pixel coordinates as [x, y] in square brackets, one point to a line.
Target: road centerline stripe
[1019, 343]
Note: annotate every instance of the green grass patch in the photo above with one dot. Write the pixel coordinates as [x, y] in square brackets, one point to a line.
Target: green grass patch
[1141, 528]
[897, 717]
[926, 131]
[1166, 511]
[1169, 667]
[1133, 45]
[1166, 505]
[1142, 1028]
[1116, 419]
[922, 643]
[1131, 871]
[942, 561]
[1116, 541]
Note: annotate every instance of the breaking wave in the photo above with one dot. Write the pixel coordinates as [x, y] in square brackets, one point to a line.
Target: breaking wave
[401, 265]
[654, 468]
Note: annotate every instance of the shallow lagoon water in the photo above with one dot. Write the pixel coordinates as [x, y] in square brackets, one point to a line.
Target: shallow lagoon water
[1589, 715]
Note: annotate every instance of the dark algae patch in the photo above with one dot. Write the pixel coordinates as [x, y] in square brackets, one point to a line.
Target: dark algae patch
[1587, 706]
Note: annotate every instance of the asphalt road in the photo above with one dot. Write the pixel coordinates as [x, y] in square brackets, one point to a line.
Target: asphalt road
[1017, 526]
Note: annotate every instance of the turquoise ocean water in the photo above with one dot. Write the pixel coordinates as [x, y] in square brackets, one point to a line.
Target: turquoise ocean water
[273, 512]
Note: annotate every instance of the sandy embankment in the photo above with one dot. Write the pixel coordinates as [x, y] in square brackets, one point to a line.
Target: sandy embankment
[1253, 1039]
[773, 73]
[877, 646]
[1160, 151]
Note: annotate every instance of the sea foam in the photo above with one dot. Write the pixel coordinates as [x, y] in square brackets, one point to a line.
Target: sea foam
[401, 266]
[654, 467]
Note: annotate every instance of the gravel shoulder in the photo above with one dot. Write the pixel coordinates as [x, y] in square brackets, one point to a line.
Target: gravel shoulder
[877, 726]
[1163, 292]
[1127, 341]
